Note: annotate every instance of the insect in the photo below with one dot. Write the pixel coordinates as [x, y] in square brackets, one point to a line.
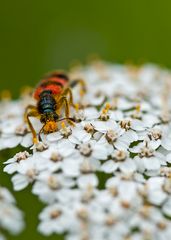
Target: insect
[52, 94]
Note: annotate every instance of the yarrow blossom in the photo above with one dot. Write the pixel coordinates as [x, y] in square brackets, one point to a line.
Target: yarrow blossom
[11, 218]
[109, 176]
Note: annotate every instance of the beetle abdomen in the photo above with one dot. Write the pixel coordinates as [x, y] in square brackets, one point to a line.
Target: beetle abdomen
[55, 83]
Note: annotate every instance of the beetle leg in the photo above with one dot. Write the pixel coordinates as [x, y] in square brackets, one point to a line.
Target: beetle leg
[31, 108]
[82, 84]
[63, 101]
[32, 113]
[68, 92]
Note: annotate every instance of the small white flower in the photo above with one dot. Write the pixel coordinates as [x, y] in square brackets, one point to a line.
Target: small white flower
[13, 163]
[120, 186]
[133, 124]
[47, 185]
[87, 180]
[79, 135]
[28, 170]
[148, 159]
[92, 98]
[57, 154]
[114, 134]
[155, 192]
[119, 160]
[87, 114]
[14, 132]
[11, 218]
[54, 219]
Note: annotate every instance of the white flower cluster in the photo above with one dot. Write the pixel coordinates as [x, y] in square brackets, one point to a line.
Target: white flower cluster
[11, 219]
[109, 177]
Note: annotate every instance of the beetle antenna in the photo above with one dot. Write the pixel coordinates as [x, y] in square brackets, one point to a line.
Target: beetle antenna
[62, 119]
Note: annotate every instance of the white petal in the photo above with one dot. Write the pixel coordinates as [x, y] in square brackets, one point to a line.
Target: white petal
[149, 120]
[87, 180]
[11, 168]
[12, 142]
[71, 168]
[168, 158]
[129, 136]
[103, 126]
[128, 166]
[27, 141]
[167, 208]
[102, 151]
[154, 144]
[137, 125]
[166, 143]
[79, 136]
[52, 137]
[19, 182]
[157, 197]
[109, 166]
[116, 115]
[151, 163]
[91, 113]
[121, 145]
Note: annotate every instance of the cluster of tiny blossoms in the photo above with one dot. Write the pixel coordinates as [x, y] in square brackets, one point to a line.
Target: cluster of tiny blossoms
[109, 177]
[11, 219]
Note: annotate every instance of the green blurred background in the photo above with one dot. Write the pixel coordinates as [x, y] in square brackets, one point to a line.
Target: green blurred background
[39, 36]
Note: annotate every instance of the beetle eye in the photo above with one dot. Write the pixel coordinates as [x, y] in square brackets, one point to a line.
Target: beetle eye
[43, 119]
[55, 117]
